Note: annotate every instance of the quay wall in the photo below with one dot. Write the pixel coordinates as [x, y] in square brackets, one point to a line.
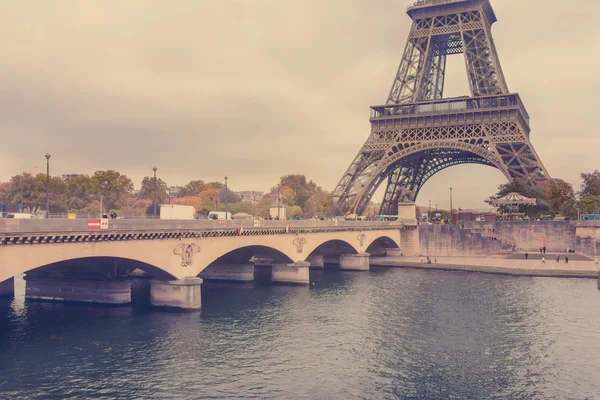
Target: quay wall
[497, 237]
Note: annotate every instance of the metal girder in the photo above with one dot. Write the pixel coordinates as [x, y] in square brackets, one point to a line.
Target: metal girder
[418, 133]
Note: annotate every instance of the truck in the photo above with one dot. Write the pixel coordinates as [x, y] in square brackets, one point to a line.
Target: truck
[176, 211]
[219, 215]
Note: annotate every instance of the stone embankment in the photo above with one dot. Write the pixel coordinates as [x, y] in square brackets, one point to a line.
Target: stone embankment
[578, 268]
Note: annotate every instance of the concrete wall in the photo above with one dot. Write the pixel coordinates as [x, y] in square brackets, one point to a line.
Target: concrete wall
[450, 240]
[477, 238]
[527, 235]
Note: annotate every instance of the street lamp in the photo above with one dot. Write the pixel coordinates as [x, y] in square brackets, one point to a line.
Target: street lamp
[47, 185]
[450, 206]
[278, 200]
[154, 194]
[226, 197]
[429, 212]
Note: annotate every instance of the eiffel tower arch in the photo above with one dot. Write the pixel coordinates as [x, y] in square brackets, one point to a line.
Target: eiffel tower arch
[418, 132]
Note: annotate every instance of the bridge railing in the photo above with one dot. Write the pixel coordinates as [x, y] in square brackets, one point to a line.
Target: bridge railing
[60, 226]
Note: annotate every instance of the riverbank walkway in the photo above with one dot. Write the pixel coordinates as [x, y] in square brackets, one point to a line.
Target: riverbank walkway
[580, 267]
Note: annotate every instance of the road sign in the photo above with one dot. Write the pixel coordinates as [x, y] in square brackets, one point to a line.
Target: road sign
[93, 224]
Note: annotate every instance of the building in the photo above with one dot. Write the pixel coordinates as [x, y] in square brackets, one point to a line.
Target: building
[473, 215]
[248, 196]
[174, 191]
[275, 213]
[71, 176]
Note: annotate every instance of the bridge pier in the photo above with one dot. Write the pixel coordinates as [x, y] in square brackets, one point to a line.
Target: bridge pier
[316, 261]
[297, 273]
[355, 262]
[7, 288]
[229, 272]
[182, 294]
[113, 291]
[331, 259]
[393, 252]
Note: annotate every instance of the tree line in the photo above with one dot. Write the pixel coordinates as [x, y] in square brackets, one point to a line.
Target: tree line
[557, 197]
[115, 192]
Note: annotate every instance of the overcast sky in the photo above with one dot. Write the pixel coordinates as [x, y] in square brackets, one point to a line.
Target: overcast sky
[260, 88]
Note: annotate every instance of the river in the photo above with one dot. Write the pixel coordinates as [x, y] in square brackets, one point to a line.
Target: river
[390, 333]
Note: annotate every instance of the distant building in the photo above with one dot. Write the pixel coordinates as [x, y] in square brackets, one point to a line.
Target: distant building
[248, 196]
[473, 215]
[174, 191]
[277, 213]
[71, 176]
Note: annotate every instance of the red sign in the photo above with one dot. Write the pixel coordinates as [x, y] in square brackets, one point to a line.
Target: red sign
[94, 224]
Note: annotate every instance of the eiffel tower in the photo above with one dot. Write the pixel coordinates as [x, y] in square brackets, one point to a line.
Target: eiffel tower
[418, 133]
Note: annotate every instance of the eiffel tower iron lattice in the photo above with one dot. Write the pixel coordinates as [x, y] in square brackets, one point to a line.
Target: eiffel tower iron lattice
[418, 133]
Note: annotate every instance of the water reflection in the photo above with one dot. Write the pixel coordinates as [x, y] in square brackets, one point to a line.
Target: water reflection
[385, 334]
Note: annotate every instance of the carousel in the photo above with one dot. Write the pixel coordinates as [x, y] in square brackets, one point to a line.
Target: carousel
[514, 207]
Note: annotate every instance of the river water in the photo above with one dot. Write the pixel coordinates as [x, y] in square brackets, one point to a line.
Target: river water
[390, 333]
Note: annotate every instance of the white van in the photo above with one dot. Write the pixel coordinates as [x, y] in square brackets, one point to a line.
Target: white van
[219, 215]
[21, 216]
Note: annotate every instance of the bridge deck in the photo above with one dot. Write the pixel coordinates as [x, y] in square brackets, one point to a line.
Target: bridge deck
[67, 231]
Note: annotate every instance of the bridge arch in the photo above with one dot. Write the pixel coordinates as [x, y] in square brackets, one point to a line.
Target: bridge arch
[99, 267]
[379, 245]
[246, 253]
[333, 247]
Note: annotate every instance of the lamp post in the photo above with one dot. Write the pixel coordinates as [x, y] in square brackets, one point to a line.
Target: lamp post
[226, 197]
[429, 212]
[154, 194]
[47, 185]
[450, 206]
[278, 200]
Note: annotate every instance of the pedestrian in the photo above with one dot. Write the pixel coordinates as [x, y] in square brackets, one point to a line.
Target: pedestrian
[428, 260]
[541, 251]
[566, 259]
[543, 260]
[526, 255]
[557, 258]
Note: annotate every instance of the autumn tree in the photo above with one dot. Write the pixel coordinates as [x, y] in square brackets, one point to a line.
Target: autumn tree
[193, 188]
[147, 190]
[114, 188]
[319, 205]
[561, 197]
[302, 189]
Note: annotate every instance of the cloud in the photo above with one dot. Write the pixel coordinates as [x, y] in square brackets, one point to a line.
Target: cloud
[260, 88]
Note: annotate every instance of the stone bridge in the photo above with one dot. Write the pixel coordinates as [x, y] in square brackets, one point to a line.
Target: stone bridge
[69, 260]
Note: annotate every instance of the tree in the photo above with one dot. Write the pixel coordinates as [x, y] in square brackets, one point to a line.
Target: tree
[193, 201]
[590, 185]
[263, 206]
[147, 190]
[29, 191]
[81, 191]
[114, 188]
[5, 190]
[589, 195]
[209, 199]
[301, 189]
[319, 204]
[193, 188]
[561, 197]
